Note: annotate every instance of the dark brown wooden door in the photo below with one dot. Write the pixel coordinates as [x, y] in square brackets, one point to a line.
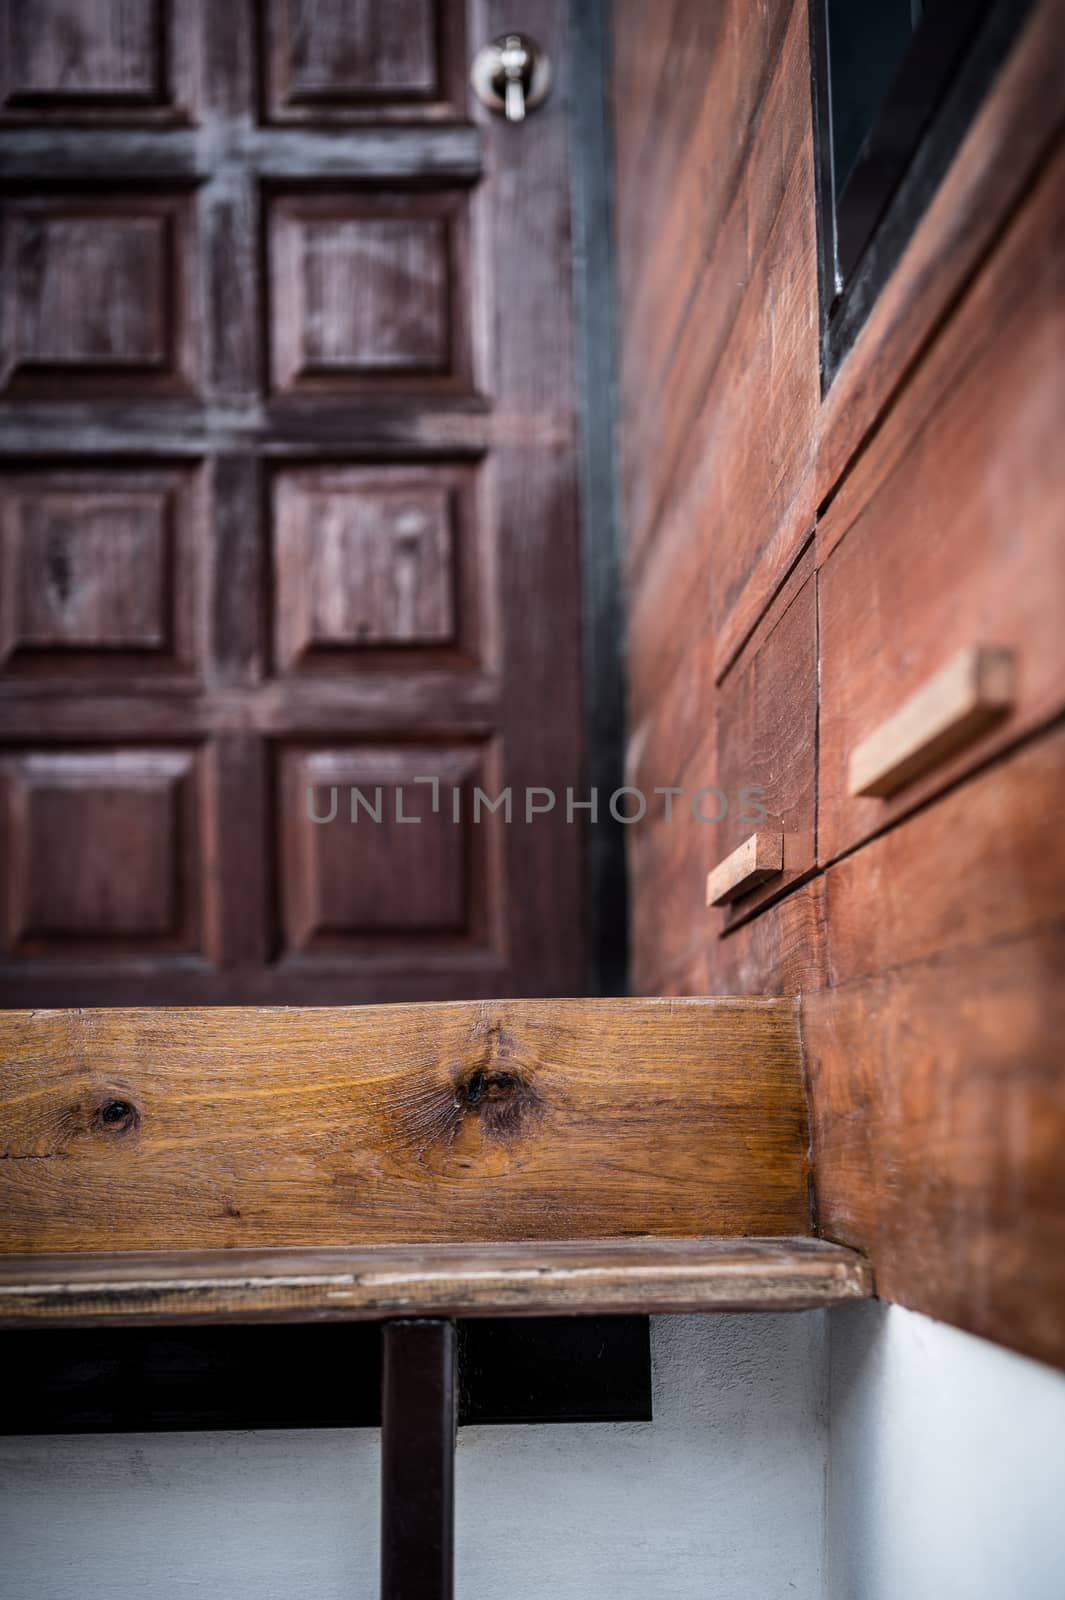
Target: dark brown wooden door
[287, 504]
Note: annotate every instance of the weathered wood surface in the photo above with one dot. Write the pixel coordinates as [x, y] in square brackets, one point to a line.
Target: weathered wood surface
[702, 180]
[535, 1279]
[767, 735]
[696, 214]
[716, 244]
[939, 1124]
[947, 532]
[1011, 133]
[376, 155]
[205, 1128]
[931, 963]
[721, 449]
[756, 733]
[250, 260]
[925, 489]
[936, 1069]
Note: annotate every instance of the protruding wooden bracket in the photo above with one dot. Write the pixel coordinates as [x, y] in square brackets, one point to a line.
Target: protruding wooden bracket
[756, 859]
[973, 690]
[419, 1414]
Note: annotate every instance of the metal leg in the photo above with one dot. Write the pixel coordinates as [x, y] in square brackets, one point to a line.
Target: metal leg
[418, 1417]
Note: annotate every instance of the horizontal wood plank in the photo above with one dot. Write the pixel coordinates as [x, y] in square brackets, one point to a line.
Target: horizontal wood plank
[379, 154]
[608, 1276]
[218, 1128]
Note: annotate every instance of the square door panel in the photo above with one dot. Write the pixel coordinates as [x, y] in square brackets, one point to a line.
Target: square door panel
[102, 852]
[359, 878]
[98, 571]
[96, 294]
[94, 60]
[357, 60]
[375, 567]
[369, 292]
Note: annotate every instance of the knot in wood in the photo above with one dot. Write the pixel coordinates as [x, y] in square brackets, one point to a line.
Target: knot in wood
[497, 1089]
[488, 1084]
[117, 1116]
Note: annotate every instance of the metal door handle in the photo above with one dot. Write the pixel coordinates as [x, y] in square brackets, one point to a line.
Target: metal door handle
[511, 76]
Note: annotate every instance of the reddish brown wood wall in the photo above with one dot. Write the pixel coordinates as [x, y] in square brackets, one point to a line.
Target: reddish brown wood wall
[797, 567]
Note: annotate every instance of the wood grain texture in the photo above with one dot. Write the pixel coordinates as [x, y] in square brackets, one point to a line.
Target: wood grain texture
[939, 1118]
[100, 573]
[369, 291]
[91, 62]
[982, 514]
[983, 866]
[358, 61]
[767, 736]
[608, 1276]
[100, 50]
[932, 1025]
[375, 882]
[107, 848]
[751, 741]
[450, 153]
[927, 942]
[379, 567]
[279, 481]
[930, 964]
[1023, 114]
[946, 534]
[100, 294]
[714, 201]
[707, 494]
[711, 146]
[576, 1119]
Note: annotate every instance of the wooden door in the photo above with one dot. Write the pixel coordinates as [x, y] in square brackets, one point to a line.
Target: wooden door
[287, 507]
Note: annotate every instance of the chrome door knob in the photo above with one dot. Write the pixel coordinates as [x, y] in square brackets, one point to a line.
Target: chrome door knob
[511, 76]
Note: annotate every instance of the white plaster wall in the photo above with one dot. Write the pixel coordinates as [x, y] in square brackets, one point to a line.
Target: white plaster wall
[720, 1498]
[947, 1464]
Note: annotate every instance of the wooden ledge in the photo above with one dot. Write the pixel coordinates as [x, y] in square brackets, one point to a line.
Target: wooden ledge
[376, 1282]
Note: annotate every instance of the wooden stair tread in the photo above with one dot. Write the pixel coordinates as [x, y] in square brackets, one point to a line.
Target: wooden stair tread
[531, 1278]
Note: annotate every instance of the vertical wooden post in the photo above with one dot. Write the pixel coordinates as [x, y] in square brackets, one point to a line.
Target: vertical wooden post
[418, 1417]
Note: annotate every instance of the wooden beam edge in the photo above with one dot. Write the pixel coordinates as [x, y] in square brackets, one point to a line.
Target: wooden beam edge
[644, 1276]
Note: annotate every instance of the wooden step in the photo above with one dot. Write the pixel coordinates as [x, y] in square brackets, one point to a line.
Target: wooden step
[241, 1128]
[527, 1279]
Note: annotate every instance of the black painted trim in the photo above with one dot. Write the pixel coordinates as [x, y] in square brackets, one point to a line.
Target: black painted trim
[602, 625]
[327, 1375]
[846, 303]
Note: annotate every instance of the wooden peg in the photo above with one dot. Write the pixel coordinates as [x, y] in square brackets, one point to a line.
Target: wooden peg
[756, 859]
[965, 697]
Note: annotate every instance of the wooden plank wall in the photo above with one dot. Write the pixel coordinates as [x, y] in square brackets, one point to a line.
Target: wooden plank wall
[797, 568]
